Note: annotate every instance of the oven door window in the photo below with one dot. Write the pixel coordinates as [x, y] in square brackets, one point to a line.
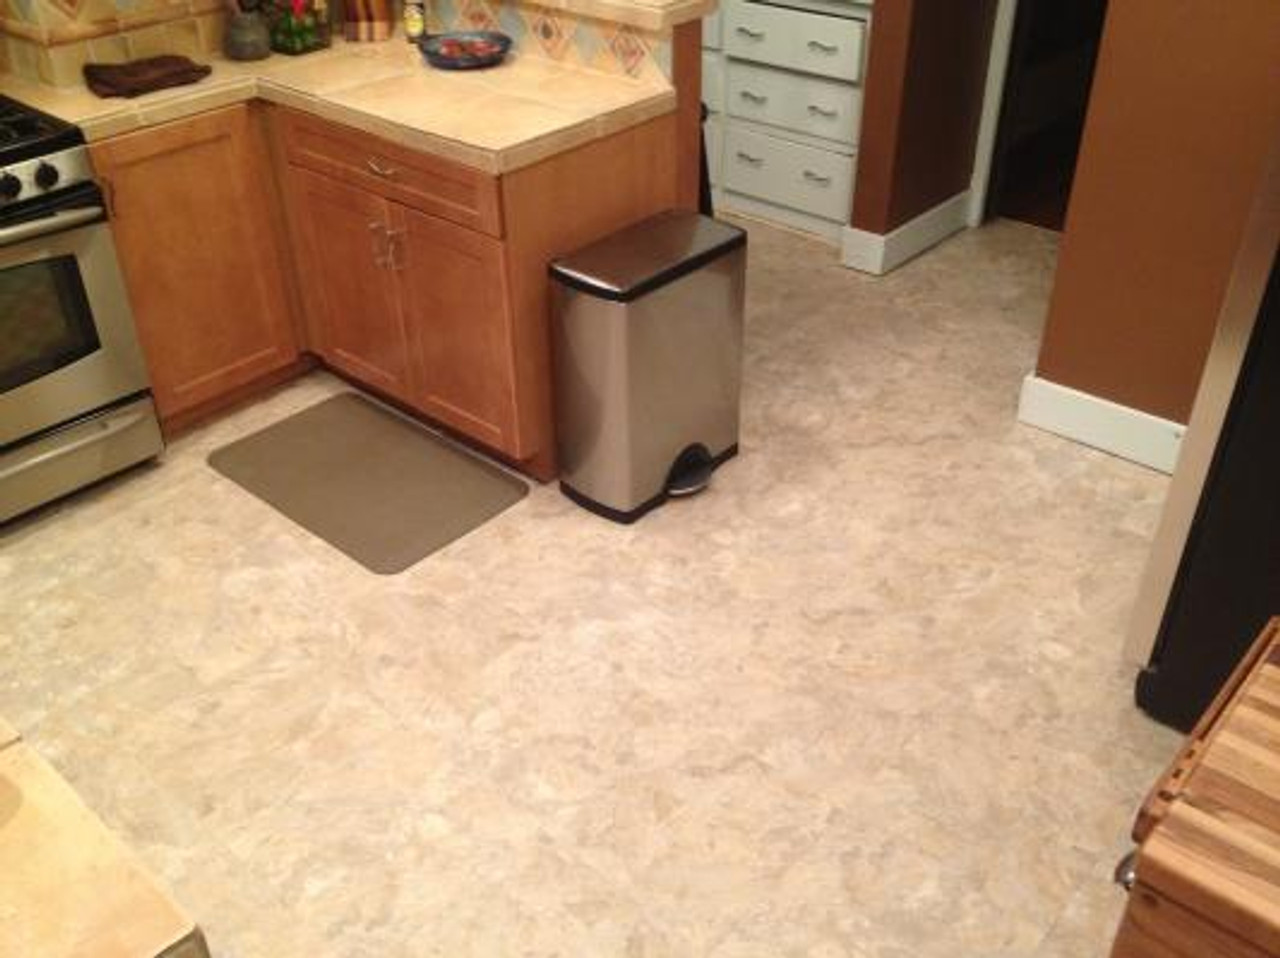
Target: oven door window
[45, 320]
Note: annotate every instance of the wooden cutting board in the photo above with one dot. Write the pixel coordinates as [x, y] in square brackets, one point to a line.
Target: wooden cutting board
[69, 888]
[1208, 865]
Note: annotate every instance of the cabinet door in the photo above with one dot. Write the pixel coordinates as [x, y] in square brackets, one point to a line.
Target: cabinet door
[348, 285]
[453, 287]
[202, 254]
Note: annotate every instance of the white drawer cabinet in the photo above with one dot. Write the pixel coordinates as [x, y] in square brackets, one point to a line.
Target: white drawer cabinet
[814, 181]
[713, 81]
[796, 39]
[812, 105]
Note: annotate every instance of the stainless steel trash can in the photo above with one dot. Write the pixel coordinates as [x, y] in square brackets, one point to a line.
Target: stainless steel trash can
[648, 359]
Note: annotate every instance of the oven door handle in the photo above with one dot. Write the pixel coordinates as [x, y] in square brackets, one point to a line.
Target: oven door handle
[61, 220]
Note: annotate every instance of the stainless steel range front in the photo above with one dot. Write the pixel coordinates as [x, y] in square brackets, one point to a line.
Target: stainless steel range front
[75, 404]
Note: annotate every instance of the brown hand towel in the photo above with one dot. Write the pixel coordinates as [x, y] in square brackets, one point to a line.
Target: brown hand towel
[142, 76]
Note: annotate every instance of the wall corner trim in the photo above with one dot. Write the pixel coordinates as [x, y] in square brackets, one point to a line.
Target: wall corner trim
[1120, 430]
[880, 253]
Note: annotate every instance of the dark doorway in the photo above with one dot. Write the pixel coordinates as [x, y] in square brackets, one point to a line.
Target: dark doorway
[1052, 55]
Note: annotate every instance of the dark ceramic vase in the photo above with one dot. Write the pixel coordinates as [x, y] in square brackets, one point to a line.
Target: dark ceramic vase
[248, 37]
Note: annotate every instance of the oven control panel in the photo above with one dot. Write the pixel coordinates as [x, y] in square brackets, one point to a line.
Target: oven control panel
[42, 175]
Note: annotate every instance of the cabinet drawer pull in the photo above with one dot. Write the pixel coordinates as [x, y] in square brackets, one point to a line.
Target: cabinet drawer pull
[748, 158]
[820, 47]
[395, 248]
[381, 245]
[815, 110]
[753, 97]
[379, 170]
[818, 178]
[751, 34]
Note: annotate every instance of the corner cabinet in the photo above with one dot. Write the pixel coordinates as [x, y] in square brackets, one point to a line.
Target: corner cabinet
[197, 228]
[426, 281]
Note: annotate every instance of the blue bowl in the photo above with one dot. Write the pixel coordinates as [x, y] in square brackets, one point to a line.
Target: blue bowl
[431, 47]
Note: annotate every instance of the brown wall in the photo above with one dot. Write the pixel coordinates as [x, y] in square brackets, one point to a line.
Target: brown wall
[1185, 106]
[923, 100]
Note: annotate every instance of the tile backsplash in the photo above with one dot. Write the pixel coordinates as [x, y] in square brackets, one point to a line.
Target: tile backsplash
[560, 35]
[51, 40]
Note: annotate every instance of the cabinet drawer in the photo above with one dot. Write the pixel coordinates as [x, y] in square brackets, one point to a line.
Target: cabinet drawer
[826, 108]
[711, 31]
[448, 190]
[801, 177]
[713, 81]
[809, 42]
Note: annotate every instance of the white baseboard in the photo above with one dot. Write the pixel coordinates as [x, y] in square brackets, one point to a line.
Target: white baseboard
[1120, 430]
[879, 253]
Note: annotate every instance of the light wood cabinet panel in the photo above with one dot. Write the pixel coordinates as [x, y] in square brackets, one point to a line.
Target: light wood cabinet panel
[453, 287]
[196, 228]
[350, 289]
[429, 183]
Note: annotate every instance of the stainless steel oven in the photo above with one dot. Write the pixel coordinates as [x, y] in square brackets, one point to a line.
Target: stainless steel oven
[75, 403]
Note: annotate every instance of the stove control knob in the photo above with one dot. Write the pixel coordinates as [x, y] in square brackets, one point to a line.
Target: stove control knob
[10, 187]
[46, 176]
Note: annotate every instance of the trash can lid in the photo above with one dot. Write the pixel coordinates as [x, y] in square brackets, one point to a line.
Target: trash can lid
[648, 255]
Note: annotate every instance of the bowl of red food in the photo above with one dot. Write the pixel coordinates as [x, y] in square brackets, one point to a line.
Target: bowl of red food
[465, 49]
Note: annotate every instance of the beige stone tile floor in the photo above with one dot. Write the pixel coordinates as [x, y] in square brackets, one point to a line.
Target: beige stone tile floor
[865, 698]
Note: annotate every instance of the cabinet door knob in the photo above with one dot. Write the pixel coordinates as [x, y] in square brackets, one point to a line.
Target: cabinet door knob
[751, 34]
[753, 97]
[816, 110]
[377, 169]
[1126, 872]
[748, 158]
[820, 47]
[818, 178]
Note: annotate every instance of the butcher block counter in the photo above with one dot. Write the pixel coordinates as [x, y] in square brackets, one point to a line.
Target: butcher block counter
[69, 888]
[1206, 878]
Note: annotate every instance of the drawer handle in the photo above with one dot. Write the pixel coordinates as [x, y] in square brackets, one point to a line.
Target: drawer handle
[748, 158]
[818, 178]
[751, 34]
[815, 110]
[381, 249]
[753, 97]
[820, 47]
[395, 248]
[378, 170]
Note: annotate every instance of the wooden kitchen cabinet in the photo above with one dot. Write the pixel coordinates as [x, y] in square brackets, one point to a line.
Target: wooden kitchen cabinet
[349, 289]
[455, 303]
[455, 323]
[404, 275]
[199, 236]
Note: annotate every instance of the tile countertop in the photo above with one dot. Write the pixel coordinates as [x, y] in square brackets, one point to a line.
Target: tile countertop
[494, 120]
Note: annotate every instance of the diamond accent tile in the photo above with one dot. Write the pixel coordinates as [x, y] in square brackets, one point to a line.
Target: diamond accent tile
[629, 50]
[552, 34]
[477, 15]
